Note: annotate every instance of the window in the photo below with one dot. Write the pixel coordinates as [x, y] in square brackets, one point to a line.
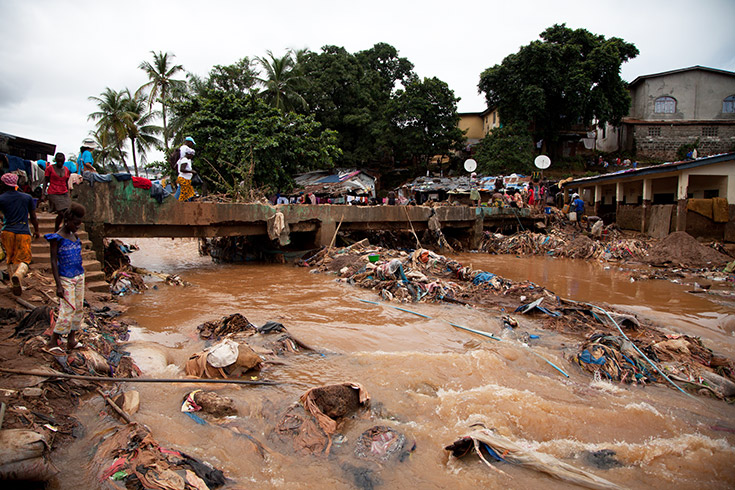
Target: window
[665, 105]
[709, 131]
[654, 131]
[709, 194]
[728, 105]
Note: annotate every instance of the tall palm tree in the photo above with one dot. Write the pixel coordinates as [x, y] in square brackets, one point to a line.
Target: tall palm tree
[161, 85]
[282, 82]
[114, 118]
[141, 132]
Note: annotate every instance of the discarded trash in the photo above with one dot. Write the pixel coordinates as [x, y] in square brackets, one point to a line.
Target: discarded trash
[208, 402]
[328, 403]
[485, 442]
[131, 449]
[536, 304]
[381, 443]
[603, 459]
[24, 456]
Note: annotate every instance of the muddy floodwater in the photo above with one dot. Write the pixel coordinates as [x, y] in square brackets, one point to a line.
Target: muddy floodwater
[425, 379]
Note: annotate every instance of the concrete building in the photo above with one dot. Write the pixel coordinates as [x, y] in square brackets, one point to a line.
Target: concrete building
[477, 125]
[696, 196]
[678, 107]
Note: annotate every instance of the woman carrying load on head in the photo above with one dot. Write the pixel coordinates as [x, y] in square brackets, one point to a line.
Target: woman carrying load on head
[186, 172]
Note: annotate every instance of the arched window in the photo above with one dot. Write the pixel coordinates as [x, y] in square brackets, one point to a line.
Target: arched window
[665, 105]
[728, 105]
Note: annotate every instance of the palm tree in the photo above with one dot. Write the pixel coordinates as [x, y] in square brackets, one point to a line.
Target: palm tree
[106, 152]
[141, 132]
[282, 82]
[162, 85]
[114, 118]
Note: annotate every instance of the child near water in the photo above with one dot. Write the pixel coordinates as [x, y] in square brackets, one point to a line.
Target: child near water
[66, 265]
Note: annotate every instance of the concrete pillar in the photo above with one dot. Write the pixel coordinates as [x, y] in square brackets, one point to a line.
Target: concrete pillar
[327, 228]
[598, 199]
[647, 198]
[477, 230]
[619, 197]
[681, 201]
[96, 232]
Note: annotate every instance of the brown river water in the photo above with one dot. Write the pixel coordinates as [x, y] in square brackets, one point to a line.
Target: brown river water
[425, 378]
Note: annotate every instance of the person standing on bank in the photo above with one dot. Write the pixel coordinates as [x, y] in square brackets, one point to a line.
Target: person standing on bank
[56, 188]
[85, 162]
[66, 266]
[17, 207]
[186, 172]
[578, 207]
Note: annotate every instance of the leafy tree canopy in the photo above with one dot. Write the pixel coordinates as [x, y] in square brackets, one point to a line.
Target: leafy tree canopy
[426, 118]
[505, 150]
[383, 113]
[243, 143]
[569, 77]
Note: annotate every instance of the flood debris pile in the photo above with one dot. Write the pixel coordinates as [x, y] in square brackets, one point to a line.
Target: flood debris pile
[124, 278]
[129, 457]
[239, 347]
[559, 243]
[311, 424]
[38, 405]
[419, 276]
[424, 276]
[99, 352]
[24, 455]
[608, 355]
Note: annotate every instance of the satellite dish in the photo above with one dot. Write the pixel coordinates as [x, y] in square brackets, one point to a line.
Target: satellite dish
[542, 162]
[470, 165]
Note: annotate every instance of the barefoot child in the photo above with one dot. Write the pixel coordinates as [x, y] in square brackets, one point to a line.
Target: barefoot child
[66, 265]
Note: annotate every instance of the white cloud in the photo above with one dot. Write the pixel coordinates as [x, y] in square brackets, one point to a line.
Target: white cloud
[56, 54]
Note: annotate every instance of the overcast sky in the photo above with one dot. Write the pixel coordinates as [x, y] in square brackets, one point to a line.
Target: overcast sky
[54, 54]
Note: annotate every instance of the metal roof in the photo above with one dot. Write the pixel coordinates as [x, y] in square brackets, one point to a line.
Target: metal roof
[654, 169]
[680, 70]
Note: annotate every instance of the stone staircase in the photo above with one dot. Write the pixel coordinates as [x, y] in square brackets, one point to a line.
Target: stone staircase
[94, 277]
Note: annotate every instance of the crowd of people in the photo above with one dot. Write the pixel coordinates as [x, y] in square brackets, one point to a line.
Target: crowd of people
[19, 210]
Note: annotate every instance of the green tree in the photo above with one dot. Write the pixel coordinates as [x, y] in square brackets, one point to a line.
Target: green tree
[506, 150]
[161, 85]
[238, 78]
[352, 94]
[141, 130]
[282, 83]
[107, 152]
[427, 119]
[570, 77]
[114, 119]
[243, 143]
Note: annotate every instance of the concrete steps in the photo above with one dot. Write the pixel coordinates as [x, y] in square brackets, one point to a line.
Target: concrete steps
[94, 277]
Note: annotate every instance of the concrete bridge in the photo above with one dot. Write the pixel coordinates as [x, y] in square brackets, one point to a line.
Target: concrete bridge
[117, 209]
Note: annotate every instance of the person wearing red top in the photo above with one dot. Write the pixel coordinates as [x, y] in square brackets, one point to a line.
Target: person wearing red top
[56, 188]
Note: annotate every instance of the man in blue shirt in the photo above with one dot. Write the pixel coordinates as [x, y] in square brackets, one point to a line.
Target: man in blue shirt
[16, 207]
[578, 206]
